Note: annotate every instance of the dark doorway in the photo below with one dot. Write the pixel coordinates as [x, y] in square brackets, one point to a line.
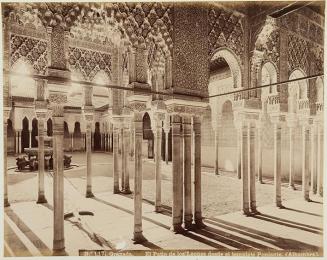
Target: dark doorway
[77, 137]
[97, 137]
[148, 135]
[10, 137]
[34, 132]
[49, 127]
[25, 140]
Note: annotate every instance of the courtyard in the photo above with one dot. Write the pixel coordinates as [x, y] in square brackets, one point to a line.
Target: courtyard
[298, 226]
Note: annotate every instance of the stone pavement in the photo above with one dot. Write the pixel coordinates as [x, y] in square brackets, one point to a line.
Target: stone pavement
[28, 228]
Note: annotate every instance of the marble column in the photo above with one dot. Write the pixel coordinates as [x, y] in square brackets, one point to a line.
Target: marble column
[6, 113]
[216, 150]
[177, 209]
[138, 138]
[313, 159]
[131, 152]
[320, 159]
[166, 130]
[41, 195]
[72, 141]
[305, 161]
[245, 168]
[291, 159]
[251, 166]
[122, 155]
[89, 120]
[58, 172]
[157, 130]
[239, 153]
[18, 141]
[115, 159]
[188, 217]
[259, 152]
[277, 165]
[197, 173]
[30, 138]
[126, 133]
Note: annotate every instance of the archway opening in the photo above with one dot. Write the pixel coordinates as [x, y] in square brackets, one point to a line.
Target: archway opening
[49, 127]
[66, 137]
[148, 135]
[10, 137]
[297, 91]
[77, 137]
[97, 137]
[25, 140]
[34, 133]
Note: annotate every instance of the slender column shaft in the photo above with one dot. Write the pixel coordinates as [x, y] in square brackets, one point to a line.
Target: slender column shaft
[239, 153]
[313, 158]
[259, 155]
[177, 175]
[58, 184]
[19, 142]
[216, 151]
[197, 173]
[30, 138]
[245, 169]
[166, 146]
[291, 159]
[157, 143]
[187, 173]
[122, 158]
[126, 138]
[116, 160]
[277, 164]
[89, 193]
[138, 137]
[72, 144]
[5, 189]
[320, 161]
[251, 166]
[305, 162]
[41, 195]
[131, 143]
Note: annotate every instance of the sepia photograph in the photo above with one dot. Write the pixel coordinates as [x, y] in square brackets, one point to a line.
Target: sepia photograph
[162, 128]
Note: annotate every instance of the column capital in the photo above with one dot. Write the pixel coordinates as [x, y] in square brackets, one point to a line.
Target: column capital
[57, 102]
[88, 112]
[185, 107]
[6, 113]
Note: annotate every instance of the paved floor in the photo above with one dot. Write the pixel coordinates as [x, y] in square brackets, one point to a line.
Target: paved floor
[29, 226]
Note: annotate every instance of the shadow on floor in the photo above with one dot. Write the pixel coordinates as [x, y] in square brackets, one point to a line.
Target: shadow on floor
[35, 240]
[304, 212]
[282, 243]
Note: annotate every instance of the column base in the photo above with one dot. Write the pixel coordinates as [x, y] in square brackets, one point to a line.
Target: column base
[291, 186]
[116, 190]
[41, 199]
[59, 252]
[260, 181]
[138, 238]
[199, 223]
[177, 229]
[279, 205]
[188, 225]
[89, 194]
[126, 191]
[158, 209]
[6, 203]
[246, 212]
[254, 211]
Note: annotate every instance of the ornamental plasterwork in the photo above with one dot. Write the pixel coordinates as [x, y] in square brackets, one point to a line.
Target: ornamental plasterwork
[298, 50]
[89, 62]
[317, 54]
[34, 50]
[225, 30]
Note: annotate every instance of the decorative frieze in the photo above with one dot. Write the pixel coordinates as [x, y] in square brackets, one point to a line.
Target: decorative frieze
[225, 30]
[298, 50]
[32, 49]
[89, 62]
